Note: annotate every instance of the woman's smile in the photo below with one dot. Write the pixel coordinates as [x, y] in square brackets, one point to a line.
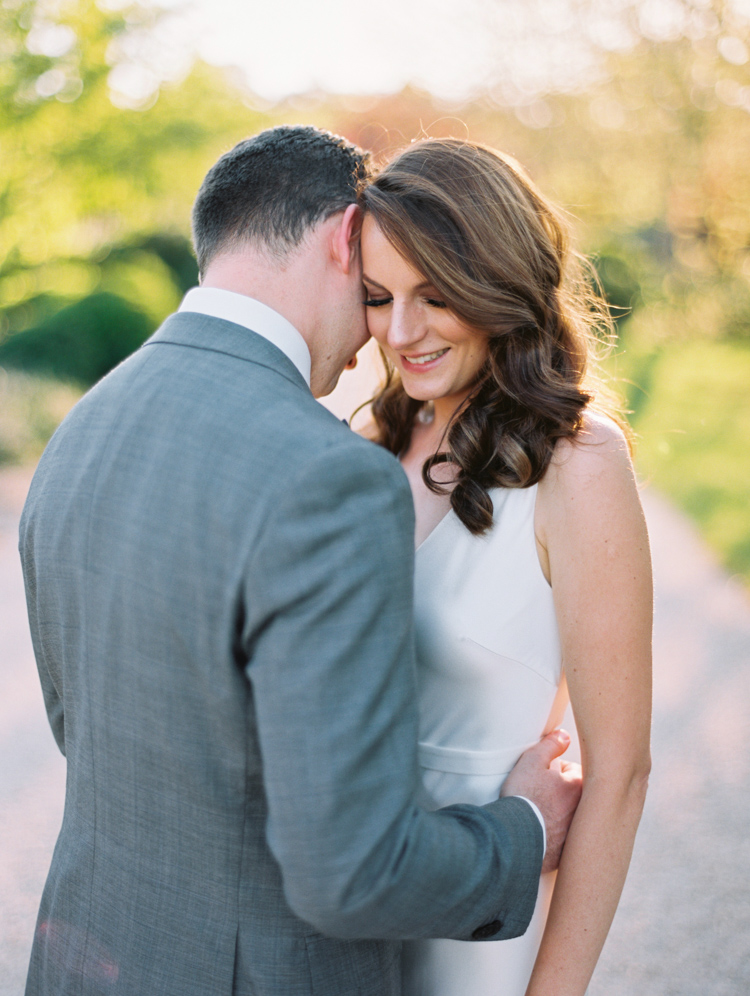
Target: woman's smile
[425, 360]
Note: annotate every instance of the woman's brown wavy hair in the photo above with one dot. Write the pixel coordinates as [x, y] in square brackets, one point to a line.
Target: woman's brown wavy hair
[472, 222]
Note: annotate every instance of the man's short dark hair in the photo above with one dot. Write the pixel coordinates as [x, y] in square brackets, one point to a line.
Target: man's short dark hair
[271, 188]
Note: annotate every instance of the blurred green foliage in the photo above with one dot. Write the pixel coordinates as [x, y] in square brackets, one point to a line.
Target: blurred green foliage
[81, 342]
[692, 419]
[651, 160]
[95, 197]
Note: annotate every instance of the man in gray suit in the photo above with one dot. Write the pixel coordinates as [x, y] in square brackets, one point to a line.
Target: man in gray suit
[219, 584]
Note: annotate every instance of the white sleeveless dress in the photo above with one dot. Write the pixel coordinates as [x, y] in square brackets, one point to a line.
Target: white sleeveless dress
[489, 678]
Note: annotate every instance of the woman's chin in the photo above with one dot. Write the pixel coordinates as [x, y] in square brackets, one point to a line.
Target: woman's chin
[418, 394]
[419, 388]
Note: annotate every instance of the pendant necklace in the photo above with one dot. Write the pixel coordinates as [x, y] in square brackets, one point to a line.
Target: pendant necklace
[426, 414]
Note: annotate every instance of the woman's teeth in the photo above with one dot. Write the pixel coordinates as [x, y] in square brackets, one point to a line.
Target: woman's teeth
[418, 360]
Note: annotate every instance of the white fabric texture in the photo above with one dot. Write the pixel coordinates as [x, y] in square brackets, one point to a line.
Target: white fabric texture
[489, 676]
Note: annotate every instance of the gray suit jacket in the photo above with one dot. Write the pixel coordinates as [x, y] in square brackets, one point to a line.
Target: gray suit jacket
[219, 578]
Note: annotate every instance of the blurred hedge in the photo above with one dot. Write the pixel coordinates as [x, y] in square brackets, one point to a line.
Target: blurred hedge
[691, 414]
[79, 343]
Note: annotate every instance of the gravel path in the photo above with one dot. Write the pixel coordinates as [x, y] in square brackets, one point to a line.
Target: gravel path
[683, 927]
[32, 771]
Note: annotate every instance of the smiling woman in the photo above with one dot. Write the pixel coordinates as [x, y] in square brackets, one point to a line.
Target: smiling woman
[532, 565]
[466, 258]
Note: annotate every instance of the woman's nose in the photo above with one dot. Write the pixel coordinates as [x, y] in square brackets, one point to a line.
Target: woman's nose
[405, 328]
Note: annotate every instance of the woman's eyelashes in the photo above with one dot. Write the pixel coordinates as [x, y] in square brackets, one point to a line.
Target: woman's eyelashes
[371, 301]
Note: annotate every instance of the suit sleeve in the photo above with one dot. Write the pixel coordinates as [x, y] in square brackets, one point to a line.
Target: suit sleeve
[330, 648]
[52, 698]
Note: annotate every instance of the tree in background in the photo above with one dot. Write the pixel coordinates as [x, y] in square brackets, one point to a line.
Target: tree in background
[102, 158]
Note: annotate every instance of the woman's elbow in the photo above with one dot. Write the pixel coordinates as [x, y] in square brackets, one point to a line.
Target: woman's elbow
[624, 784]
[640, 775]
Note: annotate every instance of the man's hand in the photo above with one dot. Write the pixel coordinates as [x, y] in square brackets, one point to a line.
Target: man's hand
[551, 784]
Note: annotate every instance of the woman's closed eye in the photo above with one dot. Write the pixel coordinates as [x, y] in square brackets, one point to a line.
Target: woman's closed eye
[378, 302]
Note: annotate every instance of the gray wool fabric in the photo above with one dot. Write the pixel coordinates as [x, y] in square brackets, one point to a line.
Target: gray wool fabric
[218, 576]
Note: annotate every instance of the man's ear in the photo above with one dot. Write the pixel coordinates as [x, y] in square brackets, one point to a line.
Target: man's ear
[346, 237]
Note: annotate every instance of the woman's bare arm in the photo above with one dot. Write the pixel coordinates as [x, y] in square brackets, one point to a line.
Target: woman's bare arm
[594, 544]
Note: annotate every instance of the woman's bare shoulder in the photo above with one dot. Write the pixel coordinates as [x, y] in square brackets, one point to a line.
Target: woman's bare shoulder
[588, 508]
[590, 480]
[599, 450]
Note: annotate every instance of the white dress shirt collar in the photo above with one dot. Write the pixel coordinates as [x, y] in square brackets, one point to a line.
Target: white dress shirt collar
[253, 315]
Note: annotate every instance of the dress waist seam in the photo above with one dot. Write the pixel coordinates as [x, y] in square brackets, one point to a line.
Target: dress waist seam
[459, 761]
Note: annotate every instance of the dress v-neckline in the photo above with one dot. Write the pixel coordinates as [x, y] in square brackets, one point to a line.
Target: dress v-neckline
[434, 529]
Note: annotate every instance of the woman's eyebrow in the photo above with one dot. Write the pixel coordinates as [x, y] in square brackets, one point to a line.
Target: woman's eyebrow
[373, 282]
[427, 285]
